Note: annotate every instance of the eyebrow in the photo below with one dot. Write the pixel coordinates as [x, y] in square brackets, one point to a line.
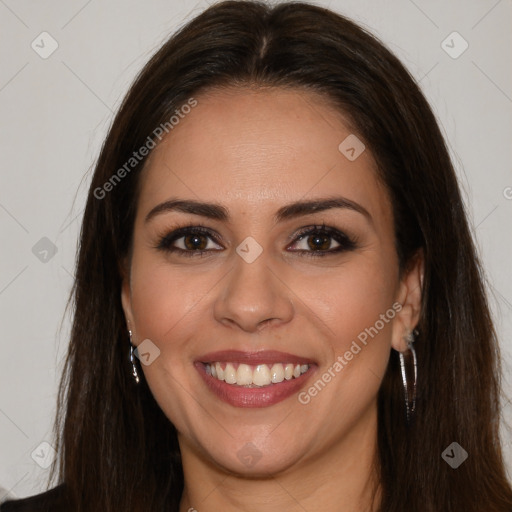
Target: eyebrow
[297, 209]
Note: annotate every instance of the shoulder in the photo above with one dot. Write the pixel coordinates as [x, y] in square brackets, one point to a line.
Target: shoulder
[53, 500]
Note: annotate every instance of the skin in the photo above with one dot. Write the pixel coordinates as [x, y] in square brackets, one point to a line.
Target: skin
[255, 151]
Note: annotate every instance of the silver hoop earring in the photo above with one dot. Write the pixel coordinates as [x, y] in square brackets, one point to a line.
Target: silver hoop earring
[408, 359]
[132, 360]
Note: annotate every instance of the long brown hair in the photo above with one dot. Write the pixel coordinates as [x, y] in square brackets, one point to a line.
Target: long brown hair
[118, 450]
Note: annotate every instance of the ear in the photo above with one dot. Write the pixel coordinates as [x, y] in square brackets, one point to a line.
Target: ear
[409, 297]
[126, 295]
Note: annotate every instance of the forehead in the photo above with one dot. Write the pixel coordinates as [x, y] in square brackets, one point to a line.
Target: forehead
[261, 148]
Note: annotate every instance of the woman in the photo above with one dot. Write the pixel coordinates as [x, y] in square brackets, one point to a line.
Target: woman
[278, 305]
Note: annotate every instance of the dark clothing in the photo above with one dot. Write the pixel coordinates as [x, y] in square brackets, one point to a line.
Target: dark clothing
[53, 500]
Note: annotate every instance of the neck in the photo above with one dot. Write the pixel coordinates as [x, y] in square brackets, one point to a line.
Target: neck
[340, 479]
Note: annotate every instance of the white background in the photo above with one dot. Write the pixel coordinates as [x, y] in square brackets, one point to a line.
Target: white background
[54, 114]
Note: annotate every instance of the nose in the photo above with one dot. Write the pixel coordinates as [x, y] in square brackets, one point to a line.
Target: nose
[253, 297]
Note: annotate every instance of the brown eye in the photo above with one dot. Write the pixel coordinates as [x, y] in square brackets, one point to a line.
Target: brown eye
[189, 241]
[195, 242]
[322, 241]
[319, 242]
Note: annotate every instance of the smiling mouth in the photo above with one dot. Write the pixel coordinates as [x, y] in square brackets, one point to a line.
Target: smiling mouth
[254, 376]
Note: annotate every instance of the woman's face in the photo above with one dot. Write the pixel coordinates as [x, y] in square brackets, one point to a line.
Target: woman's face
[267, 348]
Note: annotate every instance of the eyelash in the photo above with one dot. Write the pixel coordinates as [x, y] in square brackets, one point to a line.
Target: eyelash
[345, 242]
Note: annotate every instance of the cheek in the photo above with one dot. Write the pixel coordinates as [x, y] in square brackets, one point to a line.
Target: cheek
[166, 309]
[164, 297]
[352, 299]
[358, 308]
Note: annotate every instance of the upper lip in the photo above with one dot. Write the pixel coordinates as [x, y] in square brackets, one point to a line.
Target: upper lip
[253, 358]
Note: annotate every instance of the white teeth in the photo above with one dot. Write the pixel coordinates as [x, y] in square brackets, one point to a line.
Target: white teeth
[261, 375]
[244, 375]
[219, 370]
[230, 374]
[255, 376]
[277, 373]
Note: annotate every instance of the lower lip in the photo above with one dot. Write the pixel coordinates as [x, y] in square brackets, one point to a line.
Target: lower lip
[240, 396]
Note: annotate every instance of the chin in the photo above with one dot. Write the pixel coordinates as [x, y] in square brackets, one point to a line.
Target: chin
[250, 461]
